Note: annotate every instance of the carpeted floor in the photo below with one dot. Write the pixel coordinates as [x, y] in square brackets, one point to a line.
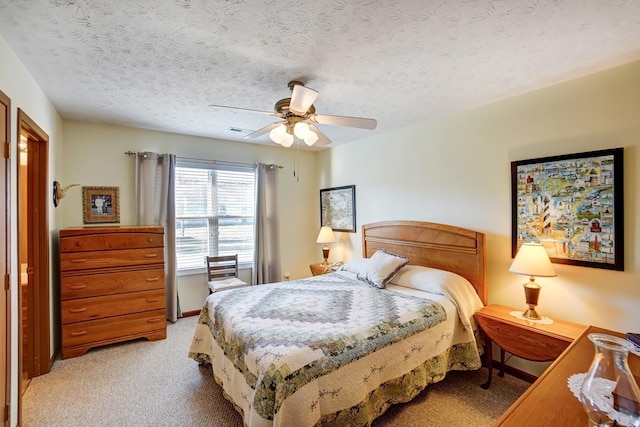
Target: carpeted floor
[143, 383]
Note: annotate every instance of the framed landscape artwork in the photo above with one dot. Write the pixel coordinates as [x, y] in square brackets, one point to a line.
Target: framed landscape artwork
[100, 205]
[573, 205]
[338, 208]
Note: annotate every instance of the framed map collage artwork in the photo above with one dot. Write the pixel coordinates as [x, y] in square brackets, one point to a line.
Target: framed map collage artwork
[572, 205]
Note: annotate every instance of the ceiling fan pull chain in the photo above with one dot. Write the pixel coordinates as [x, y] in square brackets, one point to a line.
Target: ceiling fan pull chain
[296, 172]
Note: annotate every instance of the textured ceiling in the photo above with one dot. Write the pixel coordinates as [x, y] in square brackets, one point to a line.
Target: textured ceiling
[159, 64]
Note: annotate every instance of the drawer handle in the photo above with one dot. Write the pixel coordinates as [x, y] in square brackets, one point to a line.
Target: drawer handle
[79, 286]
[153, 279]
[153, 299]
[78, 334]
[78, 261]
[150, 255]
[78, 310]
[153, 320]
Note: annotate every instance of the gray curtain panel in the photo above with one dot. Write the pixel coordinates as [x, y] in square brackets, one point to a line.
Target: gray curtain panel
[267, 251]
[155, 204]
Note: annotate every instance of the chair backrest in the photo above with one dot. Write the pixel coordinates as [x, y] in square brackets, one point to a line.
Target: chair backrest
[222, 267]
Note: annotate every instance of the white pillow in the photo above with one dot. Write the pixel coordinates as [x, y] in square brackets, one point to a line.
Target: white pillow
[355, 266]
[455, 287]
[426, 279]
[381, 267]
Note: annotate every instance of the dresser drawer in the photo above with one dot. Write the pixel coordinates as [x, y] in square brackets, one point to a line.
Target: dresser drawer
[91, 285]
[109, 259]
[83, 309]
[107, 241]
[99, 332]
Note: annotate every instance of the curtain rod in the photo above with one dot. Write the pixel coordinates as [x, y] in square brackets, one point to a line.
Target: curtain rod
[215, 162]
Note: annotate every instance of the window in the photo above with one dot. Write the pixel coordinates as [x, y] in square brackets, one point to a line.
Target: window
[215, 210]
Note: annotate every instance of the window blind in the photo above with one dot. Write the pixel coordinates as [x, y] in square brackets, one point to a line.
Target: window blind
[215, 211]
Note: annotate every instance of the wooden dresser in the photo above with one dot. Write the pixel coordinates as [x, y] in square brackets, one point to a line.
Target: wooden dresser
[112, 286]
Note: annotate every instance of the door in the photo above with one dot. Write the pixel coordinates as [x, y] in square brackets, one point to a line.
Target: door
[5, 298]
[26, 148]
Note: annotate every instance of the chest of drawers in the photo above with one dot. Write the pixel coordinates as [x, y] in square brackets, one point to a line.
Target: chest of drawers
[111, 286]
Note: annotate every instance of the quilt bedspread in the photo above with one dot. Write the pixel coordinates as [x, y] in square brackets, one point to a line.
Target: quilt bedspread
[281, 337]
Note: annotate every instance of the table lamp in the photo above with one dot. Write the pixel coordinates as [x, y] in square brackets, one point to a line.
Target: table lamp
[532, 260]
[325, 236]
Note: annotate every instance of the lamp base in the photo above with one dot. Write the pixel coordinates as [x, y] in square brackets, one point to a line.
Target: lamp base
[531, 294]
[520, 315]
[531, 314]
[325, 254]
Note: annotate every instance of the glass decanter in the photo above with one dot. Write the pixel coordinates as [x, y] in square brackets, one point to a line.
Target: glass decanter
[609, 394]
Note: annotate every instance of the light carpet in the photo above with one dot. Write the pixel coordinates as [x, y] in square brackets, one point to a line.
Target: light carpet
[142, 383]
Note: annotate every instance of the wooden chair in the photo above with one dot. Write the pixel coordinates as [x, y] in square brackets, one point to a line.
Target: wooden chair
[222, 273]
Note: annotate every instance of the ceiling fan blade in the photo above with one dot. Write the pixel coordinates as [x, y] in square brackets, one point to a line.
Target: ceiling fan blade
[301, 99]
[322, 138]
[354, 122]
[248, 110]
[263, 130]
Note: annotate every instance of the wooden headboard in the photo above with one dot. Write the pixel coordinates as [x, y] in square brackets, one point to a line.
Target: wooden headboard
[445, 247]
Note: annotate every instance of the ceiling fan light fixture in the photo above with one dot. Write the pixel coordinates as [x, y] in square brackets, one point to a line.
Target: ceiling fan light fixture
[277, 134]
[287, 140]
[298, 117]
[311, 138]
[301, 130]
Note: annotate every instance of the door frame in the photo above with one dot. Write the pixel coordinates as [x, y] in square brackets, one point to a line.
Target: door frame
[40, 360]
[5, 257]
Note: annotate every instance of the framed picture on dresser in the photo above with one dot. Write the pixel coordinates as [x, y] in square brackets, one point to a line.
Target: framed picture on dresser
[573, 205]
[100, 205]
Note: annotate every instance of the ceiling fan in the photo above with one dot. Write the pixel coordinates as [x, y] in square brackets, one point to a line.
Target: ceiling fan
[299, 119]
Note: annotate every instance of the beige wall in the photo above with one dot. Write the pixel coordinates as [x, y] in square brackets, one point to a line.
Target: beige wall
[456, 170]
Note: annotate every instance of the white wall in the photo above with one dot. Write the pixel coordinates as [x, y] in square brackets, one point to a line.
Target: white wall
[456, 170]
[17, 84]
[94, 156]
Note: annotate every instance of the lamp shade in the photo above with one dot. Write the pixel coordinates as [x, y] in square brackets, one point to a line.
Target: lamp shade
[311, 138]
[532, 260]
[326, 235]
[287, 140]
[301, 130]
[277, 134]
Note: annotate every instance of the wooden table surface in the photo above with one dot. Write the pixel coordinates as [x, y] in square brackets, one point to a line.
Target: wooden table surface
[549, 402]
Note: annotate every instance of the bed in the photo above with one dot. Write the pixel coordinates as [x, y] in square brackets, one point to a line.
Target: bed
[340, 348]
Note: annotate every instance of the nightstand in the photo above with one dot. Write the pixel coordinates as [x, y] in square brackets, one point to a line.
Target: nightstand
[318, 269]
[525, 339]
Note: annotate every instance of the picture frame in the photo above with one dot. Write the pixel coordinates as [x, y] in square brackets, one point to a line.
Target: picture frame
[574, 205]
[338, 208]
[100, 205]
